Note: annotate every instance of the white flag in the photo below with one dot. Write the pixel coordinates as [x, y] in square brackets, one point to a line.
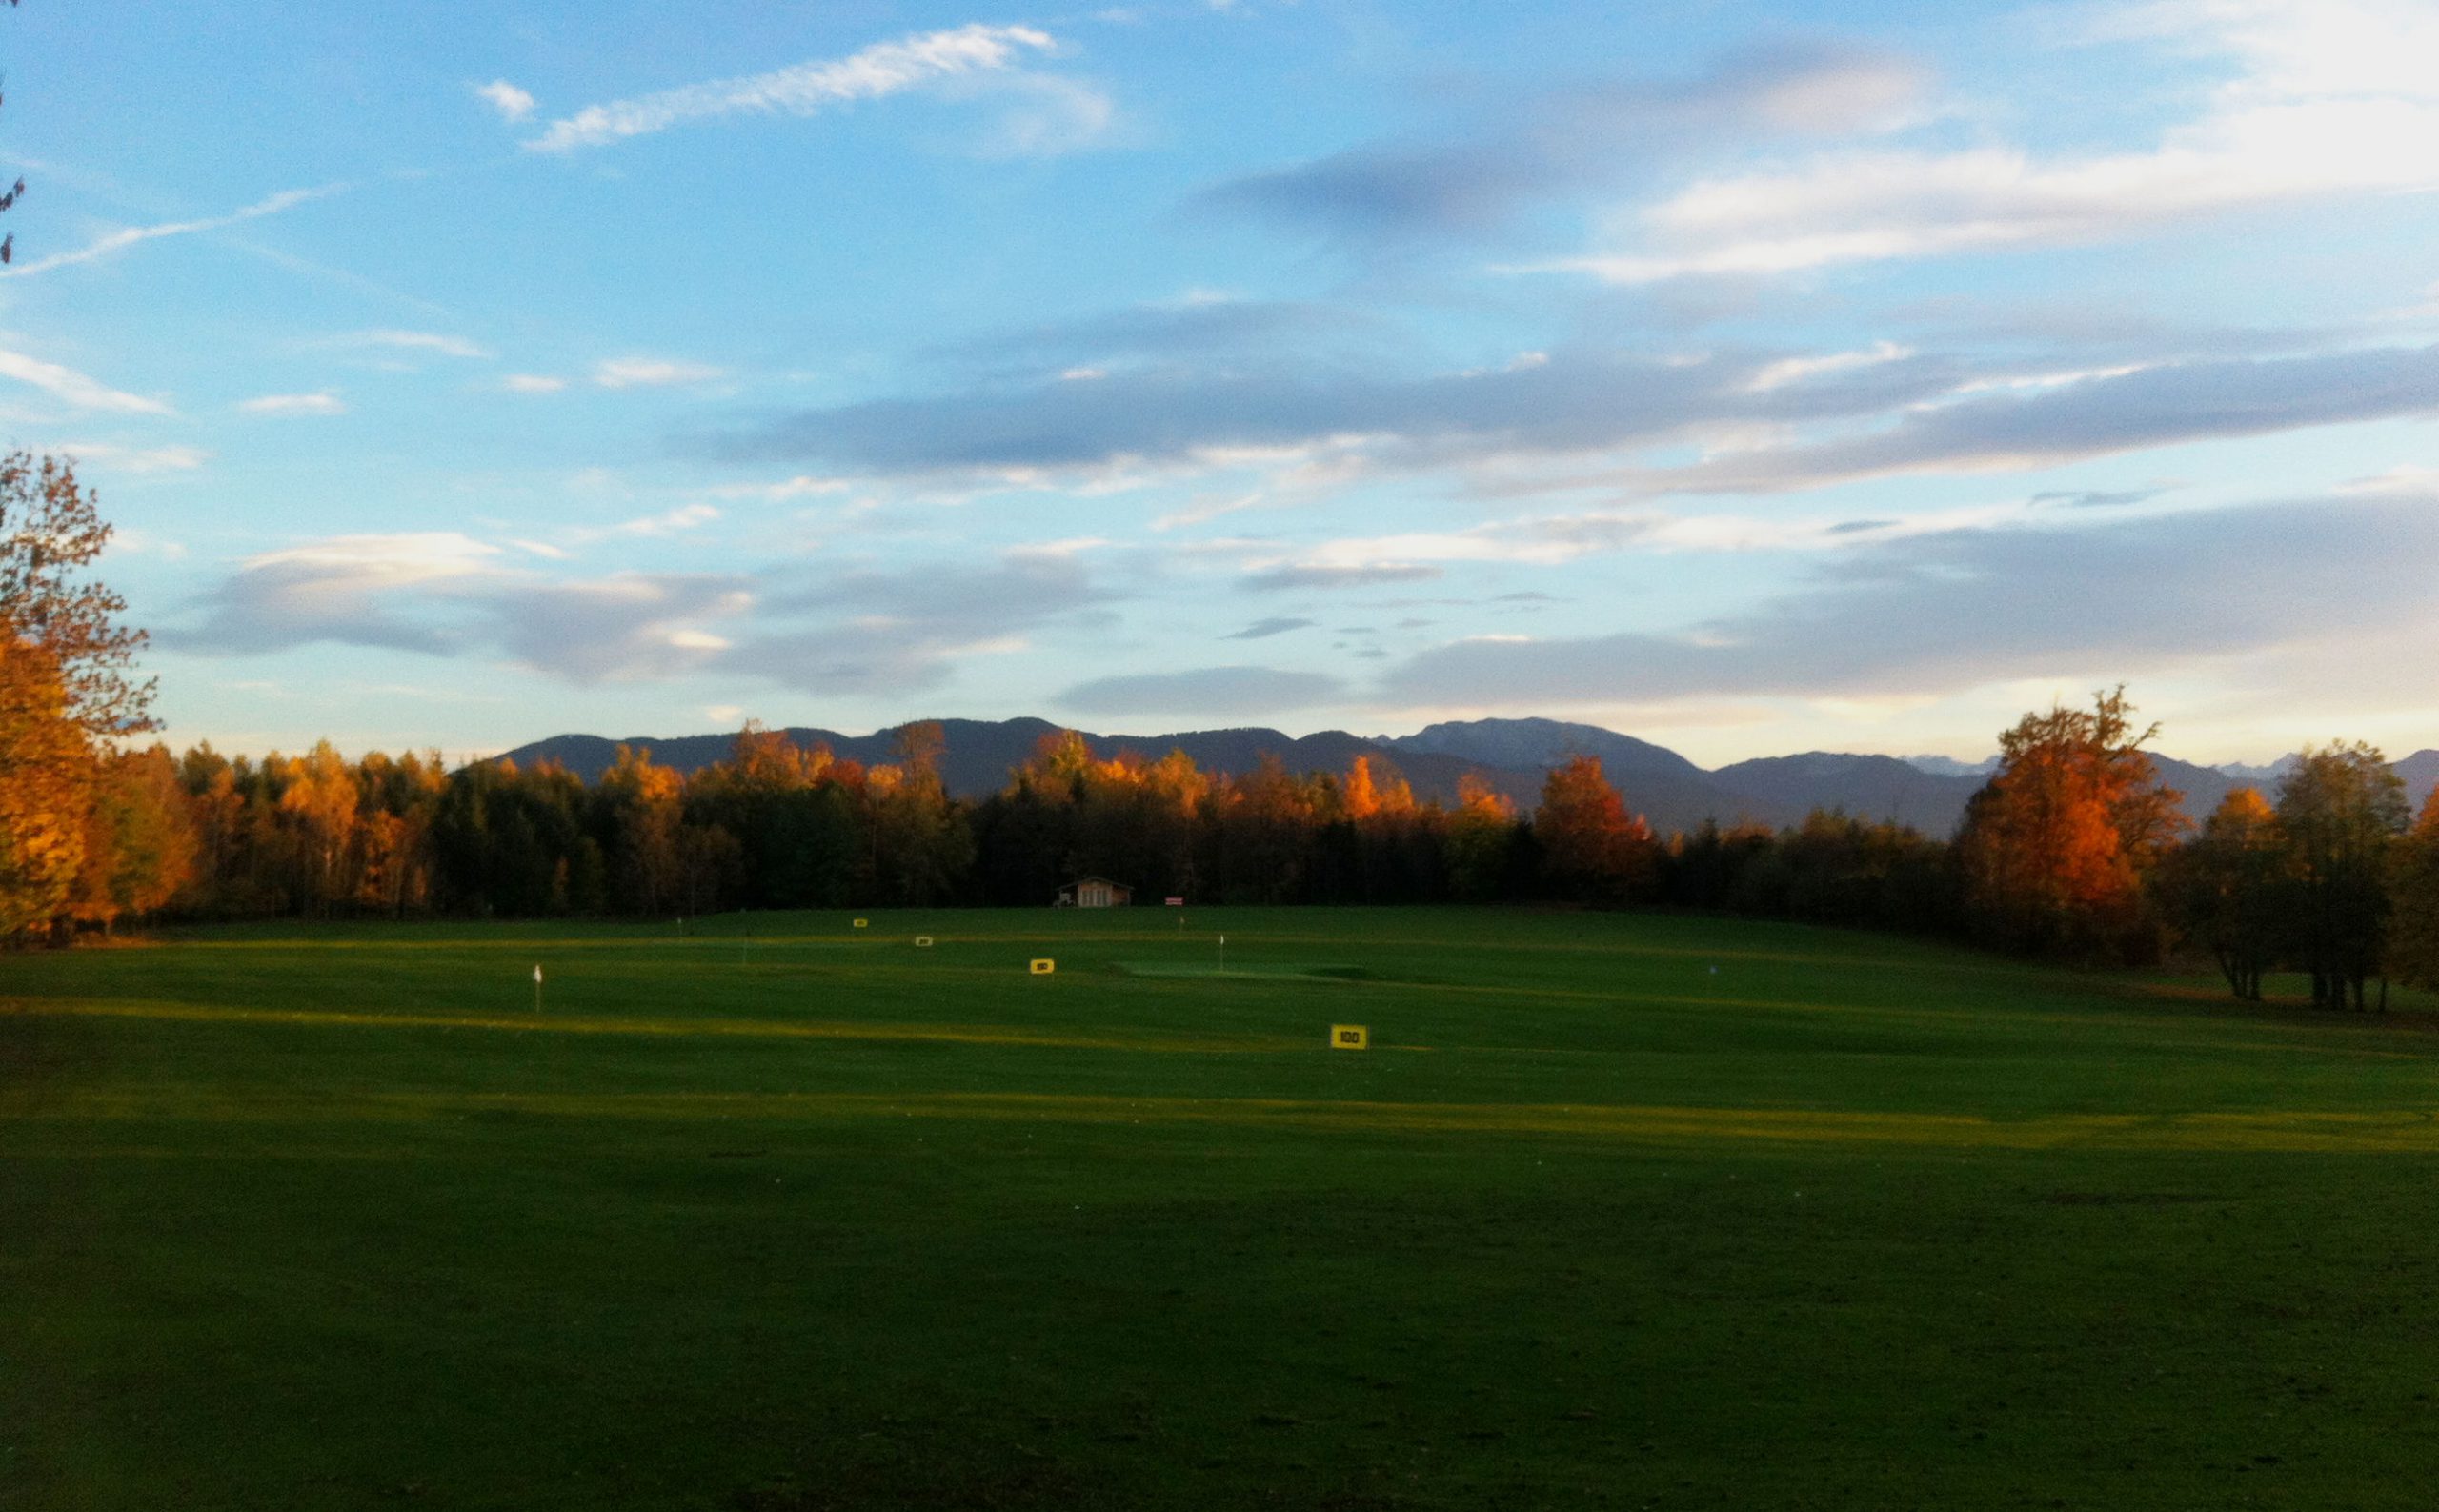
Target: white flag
[537, 975]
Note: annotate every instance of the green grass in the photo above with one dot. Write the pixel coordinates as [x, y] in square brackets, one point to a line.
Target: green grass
[786, 1215]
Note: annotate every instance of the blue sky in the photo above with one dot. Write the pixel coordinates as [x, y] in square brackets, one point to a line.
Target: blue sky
[1751, 378]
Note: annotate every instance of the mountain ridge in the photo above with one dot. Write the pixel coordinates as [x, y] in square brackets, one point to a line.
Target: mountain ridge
[1511, 755]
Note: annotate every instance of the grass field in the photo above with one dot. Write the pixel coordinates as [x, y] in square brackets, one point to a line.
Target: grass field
[786, 1215]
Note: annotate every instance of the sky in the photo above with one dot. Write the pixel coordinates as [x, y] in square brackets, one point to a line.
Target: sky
[1751, 377]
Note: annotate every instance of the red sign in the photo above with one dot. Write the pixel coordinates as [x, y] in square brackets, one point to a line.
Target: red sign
[1177, 902]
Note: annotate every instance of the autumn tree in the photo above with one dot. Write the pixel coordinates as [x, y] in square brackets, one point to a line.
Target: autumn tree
[45, 789]
[1482, 841]
[140, 845]
[2339, 810]
[644, 809]
[51, 531]
[2413, 893]
[1263, 822]
[68, 694]
[397, 801]
[2055, 849]
[320, 801]
[793, 812]
[2225, 888]
[1592, 849]
[921, 842]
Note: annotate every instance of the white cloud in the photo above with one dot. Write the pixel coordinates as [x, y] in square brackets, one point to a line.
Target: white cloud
[648, 373]
[387, 561]
[126, 541]
[533, 383]
[2294, 48]
[685, 517]
[416, 341]
[1045, 115]
[1795, 370]
[325, 402]
[127, 236]
[881, 69]
[801, 486]
[134, 458]
[73, 388]
[2329, 98]
[510, 102]
[2406, 477]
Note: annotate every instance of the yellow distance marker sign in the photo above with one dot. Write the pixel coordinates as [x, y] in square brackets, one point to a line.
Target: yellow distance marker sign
[1044, 966]
[863, 923]
[1350, 1036]
[922, 942]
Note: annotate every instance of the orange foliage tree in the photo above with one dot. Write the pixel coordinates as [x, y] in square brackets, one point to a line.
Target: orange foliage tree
[45, 789]
[1593, 850]
[68, 696]
[1482, 841]
[2056, 848]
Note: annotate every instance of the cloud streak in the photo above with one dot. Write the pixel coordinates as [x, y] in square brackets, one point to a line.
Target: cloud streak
[76, 389]
[1576, 401]
[649, 373]
[1823, 419]
[807, 89]
[2165, 405]
[431, 341]
[324, 402]
[119, 241]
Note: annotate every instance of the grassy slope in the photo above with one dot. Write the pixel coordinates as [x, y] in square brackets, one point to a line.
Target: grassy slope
[327, 1218]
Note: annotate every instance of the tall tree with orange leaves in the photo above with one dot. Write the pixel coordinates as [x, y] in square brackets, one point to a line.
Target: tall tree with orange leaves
[1593, 850]
[45, 789]
[1483, 839]
[68, 693]
[2055, 850]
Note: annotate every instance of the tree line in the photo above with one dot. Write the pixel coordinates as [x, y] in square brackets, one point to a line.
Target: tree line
[781, 826]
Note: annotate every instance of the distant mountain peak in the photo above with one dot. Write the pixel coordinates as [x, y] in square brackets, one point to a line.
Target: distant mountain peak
[1534, 743]
[1951, 767]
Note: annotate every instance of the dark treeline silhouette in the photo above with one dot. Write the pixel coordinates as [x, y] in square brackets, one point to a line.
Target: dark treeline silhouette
[2073, 851]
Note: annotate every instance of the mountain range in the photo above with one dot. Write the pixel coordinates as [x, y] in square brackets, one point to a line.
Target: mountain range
[1928, 793]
